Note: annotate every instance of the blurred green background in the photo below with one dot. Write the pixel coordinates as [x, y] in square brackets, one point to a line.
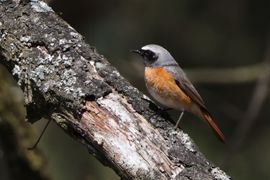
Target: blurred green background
[209, 39]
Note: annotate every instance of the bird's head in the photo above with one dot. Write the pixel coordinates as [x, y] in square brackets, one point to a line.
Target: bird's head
[155, 55]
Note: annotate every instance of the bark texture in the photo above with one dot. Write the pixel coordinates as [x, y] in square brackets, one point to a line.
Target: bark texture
[65, 79]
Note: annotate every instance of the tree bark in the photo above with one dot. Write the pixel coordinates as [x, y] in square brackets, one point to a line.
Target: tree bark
[65, 79]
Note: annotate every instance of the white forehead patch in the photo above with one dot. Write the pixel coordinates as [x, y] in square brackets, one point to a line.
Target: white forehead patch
[146, 47]
[154, 48]
[151, 47]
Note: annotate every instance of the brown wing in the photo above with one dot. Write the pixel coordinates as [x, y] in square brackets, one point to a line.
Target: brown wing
[190, 90]
[183, 82]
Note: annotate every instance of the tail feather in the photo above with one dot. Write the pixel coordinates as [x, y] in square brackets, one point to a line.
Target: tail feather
[207, 117]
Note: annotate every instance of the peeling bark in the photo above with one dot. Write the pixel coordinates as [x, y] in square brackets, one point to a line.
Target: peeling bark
[65, 79]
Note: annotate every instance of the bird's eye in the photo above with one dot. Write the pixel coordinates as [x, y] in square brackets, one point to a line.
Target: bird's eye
[150, 55]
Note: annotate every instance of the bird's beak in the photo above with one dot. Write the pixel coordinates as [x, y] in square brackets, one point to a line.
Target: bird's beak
[138, 51]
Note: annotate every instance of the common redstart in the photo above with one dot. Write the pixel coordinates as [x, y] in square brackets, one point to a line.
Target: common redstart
[169, 85]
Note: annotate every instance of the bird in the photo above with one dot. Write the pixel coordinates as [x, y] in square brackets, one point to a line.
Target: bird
[168, 84]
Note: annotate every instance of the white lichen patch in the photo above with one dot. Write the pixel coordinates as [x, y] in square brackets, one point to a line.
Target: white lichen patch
[184, 138]
[75, 35]
[92, 63]
[47, 85]
[116, 72]
[68, 80]
[62, 59]
[186, 141]
[25, 38]
[39, 74]
[62, 41]
[40, 6]
[67, 43]
[16, 71]
[45, 75]
[100, 65]
[67, 60]
[69, 77]
[219, 174]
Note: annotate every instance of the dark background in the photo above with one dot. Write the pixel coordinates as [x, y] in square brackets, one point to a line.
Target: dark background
[217, 38]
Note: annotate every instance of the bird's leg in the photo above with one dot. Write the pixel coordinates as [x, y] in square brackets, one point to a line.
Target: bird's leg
[179, 119]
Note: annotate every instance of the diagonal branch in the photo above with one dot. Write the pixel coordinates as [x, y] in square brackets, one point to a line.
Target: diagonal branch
[65, 79]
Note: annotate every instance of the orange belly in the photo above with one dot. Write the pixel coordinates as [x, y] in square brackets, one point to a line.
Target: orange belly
[161, 85]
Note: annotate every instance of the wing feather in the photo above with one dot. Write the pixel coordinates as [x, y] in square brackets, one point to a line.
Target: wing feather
[183, 82]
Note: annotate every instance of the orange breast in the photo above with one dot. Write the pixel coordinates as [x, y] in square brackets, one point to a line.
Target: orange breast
[162, 87]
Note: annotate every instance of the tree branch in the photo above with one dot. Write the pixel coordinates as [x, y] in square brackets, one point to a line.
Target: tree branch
[65, 79]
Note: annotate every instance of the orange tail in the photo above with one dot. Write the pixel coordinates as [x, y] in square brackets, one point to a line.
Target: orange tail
[207, 117]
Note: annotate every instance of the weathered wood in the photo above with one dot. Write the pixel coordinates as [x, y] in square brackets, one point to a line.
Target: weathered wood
[65, 79]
